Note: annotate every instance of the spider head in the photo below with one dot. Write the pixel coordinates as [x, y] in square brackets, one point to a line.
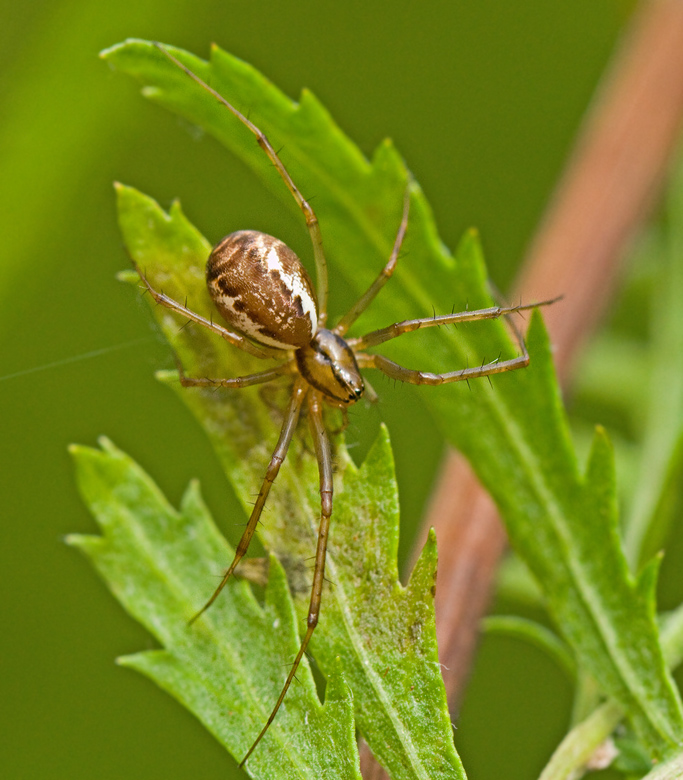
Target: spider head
[328, 364]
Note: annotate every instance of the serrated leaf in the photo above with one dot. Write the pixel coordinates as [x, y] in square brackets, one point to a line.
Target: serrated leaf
[513, 430]
[394, 668]
[154, 559]
[384, 634]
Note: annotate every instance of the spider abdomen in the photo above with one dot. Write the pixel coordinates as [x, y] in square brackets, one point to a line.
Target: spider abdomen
[261, 288]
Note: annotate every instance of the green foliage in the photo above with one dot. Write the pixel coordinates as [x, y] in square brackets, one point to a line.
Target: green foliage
[383, 633]
[671, 770]
[562, 523]
[661, 462]
[642, 381]
[224, 669]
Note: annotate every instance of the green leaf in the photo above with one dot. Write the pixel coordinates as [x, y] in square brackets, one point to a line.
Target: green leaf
[632, 759]
[672, 636]
[394, 669]
[671, 770]
[155, 559]
[513, 430]
[383, 633]
[535, 634]
[661, 463]
[584, 739]
[580, 743]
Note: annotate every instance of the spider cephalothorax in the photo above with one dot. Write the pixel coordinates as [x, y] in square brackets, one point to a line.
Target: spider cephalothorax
[266, 296]
[329, 365]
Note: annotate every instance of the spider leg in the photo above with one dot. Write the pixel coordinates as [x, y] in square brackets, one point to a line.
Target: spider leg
[387, 272]
[370, 392]
[238, 381]
[345, 420]
[323, 454]
[228, 335]
[509, 320]
[288, 427]
[395, 371]
[399, 328]
[309, 214]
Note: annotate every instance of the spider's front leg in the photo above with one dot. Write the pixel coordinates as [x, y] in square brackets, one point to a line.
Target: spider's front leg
[385, 274]
[323, 454]
[407, 326]
[395, 371]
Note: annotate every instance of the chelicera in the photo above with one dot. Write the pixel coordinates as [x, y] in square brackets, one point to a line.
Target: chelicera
[267, 298]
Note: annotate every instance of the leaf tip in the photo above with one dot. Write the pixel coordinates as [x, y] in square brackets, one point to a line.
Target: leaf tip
[106, 53]
[107, 445]
[423, 577]
[601, 452]
[176, 209]
[537, 327]
[127, 276]
[124, 194]
[380, 454]
[88, 544]
[192, 498]
[74, 540]
[127, 661]
[167, 376]
[646, 582]
[383, 435]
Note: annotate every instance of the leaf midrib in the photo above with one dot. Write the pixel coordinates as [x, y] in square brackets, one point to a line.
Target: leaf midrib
[363, 657]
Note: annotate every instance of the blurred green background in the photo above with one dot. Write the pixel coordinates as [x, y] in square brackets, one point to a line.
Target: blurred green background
[483, 100]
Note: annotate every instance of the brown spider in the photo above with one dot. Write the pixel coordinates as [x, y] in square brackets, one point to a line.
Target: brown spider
[263, 291]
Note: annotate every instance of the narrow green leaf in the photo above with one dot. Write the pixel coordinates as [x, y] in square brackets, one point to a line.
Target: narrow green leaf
[515, 583]
[672, 636]
[535, 634]
[661, 463]
[513, 430]
[584, 739]
[154, 559]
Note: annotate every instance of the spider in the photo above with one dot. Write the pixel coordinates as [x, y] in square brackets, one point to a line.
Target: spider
[264, 293]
